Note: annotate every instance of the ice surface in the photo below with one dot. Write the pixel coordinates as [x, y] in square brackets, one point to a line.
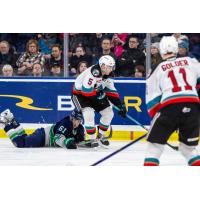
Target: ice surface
[132, 156]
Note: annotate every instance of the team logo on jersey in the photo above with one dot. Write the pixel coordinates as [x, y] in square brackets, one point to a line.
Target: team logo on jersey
[96, 72]
[25, 102]
[186, 110]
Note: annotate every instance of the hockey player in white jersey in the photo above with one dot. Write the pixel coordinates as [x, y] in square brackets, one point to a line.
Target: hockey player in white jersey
[173, 103]
[92, 92]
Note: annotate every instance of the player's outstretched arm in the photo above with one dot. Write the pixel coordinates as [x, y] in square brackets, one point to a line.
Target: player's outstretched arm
[64, 142]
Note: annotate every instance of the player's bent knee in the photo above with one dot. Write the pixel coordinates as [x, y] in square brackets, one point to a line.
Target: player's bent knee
[36, 139]
[18, 143]
[107, 113]
[88, 114]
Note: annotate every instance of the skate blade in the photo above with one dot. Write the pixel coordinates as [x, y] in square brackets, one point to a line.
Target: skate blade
[103, 146]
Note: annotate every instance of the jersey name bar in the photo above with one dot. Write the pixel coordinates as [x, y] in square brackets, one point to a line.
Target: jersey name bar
[180, 63]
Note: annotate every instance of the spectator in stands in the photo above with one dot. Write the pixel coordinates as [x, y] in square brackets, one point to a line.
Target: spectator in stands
[79, 56]
[90, 41]
[31, 56]
[19, 40]
[118, 42]
[7, 70]
[95, 45]
[7, 55]
[99, 36]
[139, 71]
[154, 39]
[72, 44]
[183, 50]
[195, 45]
[130, 58]
[156, 59]
[46, 42]
[75, 40]
[179, 37]
[106, 48]
[56, 57]
[56, 71]
[37, 70]
[82, 66]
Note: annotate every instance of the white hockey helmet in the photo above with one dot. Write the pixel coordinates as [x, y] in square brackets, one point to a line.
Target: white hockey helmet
[108, 61]
[168, 44]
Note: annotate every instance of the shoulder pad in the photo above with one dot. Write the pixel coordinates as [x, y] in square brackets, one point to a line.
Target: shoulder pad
[96, 71]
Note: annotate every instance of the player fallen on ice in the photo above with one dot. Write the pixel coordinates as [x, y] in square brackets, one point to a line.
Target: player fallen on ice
[66, 133]
[92, 92]
[173, 103]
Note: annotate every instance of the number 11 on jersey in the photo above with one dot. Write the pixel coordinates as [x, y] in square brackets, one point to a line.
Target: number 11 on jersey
[177, 88]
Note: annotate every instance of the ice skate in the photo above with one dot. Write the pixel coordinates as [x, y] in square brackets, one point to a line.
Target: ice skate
[92, 143]
[103, 141]
[6, 117]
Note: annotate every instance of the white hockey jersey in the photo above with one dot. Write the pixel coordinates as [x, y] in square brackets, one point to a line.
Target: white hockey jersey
[89, 82]
[173, 81]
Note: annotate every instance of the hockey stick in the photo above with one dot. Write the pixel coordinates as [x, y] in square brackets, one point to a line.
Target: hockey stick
[117, 151]
[138, 123]
[129, 144]
[85, 142]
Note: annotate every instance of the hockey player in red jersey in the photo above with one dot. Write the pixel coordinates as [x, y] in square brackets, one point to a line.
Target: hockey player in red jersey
[173, 103]
[92, 92]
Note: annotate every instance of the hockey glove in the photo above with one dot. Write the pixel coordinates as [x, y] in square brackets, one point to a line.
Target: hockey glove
[122, 110]
[70, 143]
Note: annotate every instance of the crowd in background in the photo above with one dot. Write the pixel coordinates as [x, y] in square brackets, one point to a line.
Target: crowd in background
[42, 54]
[31, 54]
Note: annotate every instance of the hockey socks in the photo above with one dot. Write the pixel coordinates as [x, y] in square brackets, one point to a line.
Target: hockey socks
[195, 161]
[153, 153]
[91, 130]
[103, 128]
[190, 153]
[151, 162]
